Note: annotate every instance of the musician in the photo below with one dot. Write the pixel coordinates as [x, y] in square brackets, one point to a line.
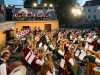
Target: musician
[32, 15]
[38, 30]
[37, 37]
[59, 51]
[18, 35]
[3, 64]
[94, 58]
[22, 33]
[47, 69]
[35, 30]
[71, 63]
[38, 61]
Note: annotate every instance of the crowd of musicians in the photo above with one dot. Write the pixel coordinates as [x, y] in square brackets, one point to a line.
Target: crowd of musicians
[40, 47]
[32, 16]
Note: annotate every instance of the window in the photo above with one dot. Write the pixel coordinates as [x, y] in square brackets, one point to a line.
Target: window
[94, 16]
[89, 17]
[89, 3]
[89, 10]
[84, 10]
[94, 9]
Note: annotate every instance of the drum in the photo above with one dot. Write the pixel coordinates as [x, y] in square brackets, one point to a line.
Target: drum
[17, 68]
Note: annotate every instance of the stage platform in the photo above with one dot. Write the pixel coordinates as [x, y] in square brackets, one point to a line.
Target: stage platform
[43, 24]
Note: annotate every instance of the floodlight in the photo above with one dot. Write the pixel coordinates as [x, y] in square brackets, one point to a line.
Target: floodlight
[51, 5]
[45, 4]
[35, 4]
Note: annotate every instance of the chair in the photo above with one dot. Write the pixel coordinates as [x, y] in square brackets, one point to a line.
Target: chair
[89, 68]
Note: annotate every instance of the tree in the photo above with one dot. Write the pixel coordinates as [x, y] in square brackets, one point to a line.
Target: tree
[63, 10]
[29, 2]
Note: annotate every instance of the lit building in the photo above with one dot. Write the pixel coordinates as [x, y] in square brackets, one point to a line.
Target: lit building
[91, 10]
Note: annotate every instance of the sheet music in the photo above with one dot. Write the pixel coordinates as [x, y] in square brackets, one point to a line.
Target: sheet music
[86, 46]
[31, 57]
[90, 48]
[94, 36]
[77, 53]
[89, 40]
[81, 56]
[82, 39]
[62, 63]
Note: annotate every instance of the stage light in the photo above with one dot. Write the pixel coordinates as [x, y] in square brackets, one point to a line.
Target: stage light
[73, 10]
[51, 5]
[35, 4]
[6, 5]
[45, 4]
[75, 15]
[78, 11]
[99, 7]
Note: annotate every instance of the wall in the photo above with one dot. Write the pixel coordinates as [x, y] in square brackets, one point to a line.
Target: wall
[2, 38]
[86, 13]
[32, 24]
[3, 27]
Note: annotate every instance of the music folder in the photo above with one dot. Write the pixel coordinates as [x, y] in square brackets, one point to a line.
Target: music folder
[77, 53]
[29, 57]
[82, 55]
[62, 63]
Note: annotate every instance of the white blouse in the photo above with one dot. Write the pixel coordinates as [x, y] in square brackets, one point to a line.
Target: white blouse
[71, 61]
[61, 52]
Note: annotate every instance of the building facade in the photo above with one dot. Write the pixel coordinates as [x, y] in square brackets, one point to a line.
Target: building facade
[91, 10]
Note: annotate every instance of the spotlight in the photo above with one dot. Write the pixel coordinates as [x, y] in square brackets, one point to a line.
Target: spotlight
[35, 4]
[45, 5]
[51, 5]
[6, 5]
[11, 5]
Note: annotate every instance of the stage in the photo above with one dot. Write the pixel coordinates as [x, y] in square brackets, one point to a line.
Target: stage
[43, 24]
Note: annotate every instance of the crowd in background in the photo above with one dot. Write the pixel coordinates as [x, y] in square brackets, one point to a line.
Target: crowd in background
[83, 23]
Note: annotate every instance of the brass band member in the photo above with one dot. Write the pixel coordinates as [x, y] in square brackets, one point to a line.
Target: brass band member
[38, 61]
[3, 64]
[47, 69]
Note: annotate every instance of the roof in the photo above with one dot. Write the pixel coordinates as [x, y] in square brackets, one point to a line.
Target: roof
[93, 3]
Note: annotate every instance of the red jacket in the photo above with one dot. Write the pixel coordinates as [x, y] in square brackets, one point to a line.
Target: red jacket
[34, 65]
